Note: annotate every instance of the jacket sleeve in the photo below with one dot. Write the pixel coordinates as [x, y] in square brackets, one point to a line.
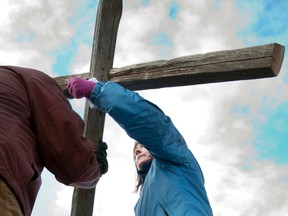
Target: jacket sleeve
[61, 146]
[142, 121]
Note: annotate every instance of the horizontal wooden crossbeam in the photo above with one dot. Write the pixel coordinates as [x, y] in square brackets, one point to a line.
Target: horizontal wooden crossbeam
[231, 65]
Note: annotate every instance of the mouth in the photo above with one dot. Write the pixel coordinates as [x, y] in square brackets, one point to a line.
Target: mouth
[141, 159]
[138, 157]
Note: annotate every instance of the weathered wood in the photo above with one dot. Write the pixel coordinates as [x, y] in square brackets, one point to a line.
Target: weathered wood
[231, 65]
[106, 28]
[241, 64]
[82, 202]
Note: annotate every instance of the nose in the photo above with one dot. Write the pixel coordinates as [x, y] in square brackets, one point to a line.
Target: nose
[137, 152]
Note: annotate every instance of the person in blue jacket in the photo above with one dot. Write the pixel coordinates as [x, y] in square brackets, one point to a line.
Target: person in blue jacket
[173, 183]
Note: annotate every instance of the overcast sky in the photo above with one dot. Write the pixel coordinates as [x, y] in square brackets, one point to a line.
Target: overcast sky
[236, 130]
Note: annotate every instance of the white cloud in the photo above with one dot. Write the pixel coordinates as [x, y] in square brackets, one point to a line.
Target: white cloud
[63, 201]
[81, 63]
[4, 15]
[33, 30]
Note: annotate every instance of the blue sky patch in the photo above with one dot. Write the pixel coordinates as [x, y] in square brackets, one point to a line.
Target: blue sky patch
[63, 57]
[144, 2]
[173, 10]
[84, 32]
[269, 21]
[29, 37]
[271, 136]
[162, 39]
[217, 4]
[241, 109]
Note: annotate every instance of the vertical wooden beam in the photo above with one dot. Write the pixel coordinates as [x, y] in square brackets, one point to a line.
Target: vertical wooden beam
[106, 28]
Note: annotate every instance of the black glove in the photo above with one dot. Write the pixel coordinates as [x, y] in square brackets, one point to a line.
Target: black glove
[101, 155]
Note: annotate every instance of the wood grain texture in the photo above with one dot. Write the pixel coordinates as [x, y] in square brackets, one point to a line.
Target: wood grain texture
[222, 66]
[240, 64]
[105, 34]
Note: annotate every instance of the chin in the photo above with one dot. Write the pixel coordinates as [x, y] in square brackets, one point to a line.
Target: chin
[140, 164]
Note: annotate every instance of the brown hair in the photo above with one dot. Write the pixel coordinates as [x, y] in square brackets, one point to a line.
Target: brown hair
[139, 181]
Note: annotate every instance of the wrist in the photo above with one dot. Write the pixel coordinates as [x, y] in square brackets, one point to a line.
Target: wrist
[90, 87]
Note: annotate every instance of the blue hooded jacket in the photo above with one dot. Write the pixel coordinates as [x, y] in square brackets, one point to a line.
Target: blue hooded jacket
[174, 184]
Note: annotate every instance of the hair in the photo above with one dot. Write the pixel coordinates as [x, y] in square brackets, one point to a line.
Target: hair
[139, 181]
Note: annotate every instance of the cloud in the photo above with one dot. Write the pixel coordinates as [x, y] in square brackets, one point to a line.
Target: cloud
[34, 30]
[81, 62]
[216, 120]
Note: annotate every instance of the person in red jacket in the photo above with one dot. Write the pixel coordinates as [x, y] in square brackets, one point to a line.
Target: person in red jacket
[39, 129]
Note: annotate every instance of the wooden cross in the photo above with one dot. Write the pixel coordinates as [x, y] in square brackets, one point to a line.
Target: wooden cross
[241, 64]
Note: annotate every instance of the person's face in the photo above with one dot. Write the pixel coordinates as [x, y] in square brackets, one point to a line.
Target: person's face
[141, 156]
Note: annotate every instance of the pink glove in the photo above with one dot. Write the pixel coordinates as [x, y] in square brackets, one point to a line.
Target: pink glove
[79, 87]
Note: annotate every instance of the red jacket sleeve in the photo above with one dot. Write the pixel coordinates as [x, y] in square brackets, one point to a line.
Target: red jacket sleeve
[61, 146]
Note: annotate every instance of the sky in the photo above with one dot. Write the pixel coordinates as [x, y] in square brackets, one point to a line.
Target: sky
[236, 130]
